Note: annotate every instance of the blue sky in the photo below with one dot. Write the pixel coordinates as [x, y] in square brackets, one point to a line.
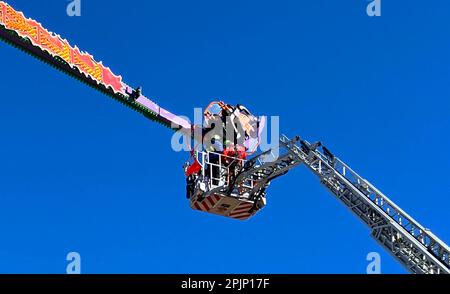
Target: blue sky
[80, 172]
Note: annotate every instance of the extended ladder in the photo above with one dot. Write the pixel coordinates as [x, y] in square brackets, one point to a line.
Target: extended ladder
[414, 246]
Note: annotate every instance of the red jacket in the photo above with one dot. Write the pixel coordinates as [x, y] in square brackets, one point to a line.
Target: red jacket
[194, 168]
[239, 153]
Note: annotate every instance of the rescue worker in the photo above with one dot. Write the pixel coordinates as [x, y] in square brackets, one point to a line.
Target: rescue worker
[191, 172]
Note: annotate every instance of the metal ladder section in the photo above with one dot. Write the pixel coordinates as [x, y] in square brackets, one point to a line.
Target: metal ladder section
[265, 167]
[414, 246]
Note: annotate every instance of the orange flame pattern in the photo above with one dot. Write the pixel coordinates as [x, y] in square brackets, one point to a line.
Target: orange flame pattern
[58, 47]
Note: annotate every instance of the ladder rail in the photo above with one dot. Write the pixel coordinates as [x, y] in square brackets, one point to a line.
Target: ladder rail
[411, 244]
[414, 228]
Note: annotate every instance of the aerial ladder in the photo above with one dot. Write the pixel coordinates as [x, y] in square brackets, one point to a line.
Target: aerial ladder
[414, 246]
[234, 185]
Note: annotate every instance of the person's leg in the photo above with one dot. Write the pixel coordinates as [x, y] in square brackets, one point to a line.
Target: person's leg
[188, 189]
[190, 186]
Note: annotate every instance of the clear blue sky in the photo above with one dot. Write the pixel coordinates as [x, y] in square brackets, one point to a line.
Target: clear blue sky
[80, 172]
